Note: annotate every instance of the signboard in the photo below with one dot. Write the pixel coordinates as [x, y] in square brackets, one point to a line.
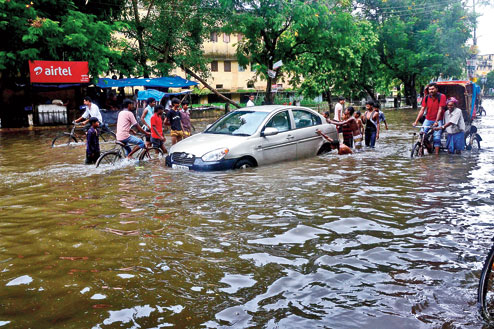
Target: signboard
[272, 74]
[58, 72]
[277, 65]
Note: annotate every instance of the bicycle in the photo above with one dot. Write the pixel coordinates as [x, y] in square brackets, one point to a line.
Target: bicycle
[66, 138]
[485, 291]
[472, 139]
[115, 155]
[424, 142]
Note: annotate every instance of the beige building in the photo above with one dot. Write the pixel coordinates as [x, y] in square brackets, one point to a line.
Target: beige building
[484, 65]
[227, 76]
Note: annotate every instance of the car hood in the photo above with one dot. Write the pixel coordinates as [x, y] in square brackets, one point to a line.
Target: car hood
[201, 144]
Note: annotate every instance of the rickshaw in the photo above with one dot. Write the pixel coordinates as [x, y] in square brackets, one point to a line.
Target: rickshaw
[468, 95]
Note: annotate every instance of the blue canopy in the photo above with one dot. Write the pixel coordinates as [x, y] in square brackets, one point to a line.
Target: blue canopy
[164, 82]
[156, 94]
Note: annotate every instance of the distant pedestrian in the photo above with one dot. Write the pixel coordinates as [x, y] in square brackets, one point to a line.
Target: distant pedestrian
[92, 141]
[250, 102]
[174, 119]
[338, 109]
[146, 118]
[185, 117]
[382, 118]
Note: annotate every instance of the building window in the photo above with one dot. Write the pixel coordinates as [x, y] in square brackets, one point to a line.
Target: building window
[214, 66]
[226, 37]
[213, 37]
[219, 86]
[250, 84]
[240, 37]
[241, 68]
[228, 66]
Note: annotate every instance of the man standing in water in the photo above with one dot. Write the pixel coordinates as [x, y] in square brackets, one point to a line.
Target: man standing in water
[174, 119]
[434, 102]
[455, 127]
[349, 127]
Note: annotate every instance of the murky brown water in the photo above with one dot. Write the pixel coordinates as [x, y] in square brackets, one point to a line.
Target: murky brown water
[372, 240]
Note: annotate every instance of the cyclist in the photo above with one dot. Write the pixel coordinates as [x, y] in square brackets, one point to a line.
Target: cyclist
[434, 102]
[92, 111]
[126, 120]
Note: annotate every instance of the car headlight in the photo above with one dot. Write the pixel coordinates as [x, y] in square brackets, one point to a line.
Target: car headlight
[215, 155]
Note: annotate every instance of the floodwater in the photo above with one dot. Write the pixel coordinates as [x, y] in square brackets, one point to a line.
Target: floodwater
[371, 240]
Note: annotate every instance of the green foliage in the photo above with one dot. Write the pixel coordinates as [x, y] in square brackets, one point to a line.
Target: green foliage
[417, 41]
[274, 30]
[52, 30]
[168, 34]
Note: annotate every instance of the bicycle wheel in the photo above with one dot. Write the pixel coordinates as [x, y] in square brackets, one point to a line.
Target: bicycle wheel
[152, 154]
[485, 293]
[108, 136]
[63, 140]
[417, 150]
[472, 142]
[108, 158]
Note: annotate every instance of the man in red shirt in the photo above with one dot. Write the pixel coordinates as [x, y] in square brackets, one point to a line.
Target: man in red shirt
[435, 103]
[157, 138]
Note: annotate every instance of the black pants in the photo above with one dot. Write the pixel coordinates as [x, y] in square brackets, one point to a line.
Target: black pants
[92, 157]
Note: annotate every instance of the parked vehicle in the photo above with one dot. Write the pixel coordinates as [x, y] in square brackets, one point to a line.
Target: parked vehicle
[253, 136]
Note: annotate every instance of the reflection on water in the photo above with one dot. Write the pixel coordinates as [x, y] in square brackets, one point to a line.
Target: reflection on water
[373, 240]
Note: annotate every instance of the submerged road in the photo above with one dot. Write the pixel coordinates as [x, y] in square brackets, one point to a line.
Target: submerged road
[370, 240]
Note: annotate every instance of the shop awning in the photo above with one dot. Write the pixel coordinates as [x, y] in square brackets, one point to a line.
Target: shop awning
[163, 82]
[157, 95]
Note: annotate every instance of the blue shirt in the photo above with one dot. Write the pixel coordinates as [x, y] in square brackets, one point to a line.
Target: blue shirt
[381, 117]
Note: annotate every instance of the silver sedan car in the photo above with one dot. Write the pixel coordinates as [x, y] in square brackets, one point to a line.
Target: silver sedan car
[254, 136]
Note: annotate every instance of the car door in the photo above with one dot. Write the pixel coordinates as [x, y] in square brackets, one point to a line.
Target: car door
[282, 146]
[306, 123]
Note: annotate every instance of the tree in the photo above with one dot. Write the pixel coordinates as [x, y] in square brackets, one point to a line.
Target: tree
[346, 61]
[275, 30]
[417, 41]
[51, 31]
[168, 34]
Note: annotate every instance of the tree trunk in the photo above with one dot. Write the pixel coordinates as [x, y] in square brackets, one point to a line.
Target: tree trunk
[410, 91]
[269, 99]
[370, 92]
[140, 41]
[201, 80]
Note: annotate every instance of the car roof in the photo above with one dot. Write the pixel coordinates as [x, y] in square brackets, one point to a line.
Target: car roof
[270, 108]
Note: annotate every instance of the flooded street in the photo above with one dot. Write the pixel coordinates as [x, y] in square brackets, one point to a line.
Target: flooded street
[370, 240]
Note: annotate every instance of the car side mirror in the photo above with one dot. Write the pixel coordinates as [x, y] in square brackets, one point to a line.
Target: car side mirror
[269, 131]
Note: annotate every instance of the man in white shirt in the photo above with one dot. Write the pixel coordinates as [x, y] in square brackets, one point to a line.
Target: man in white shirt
[455, 127]
[92, 110]
[338, 115]
[338, 109]
[250, 102]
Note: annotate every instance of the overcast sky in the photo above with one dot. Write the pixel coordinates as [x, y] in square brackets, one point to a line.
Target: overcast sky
[485, 30]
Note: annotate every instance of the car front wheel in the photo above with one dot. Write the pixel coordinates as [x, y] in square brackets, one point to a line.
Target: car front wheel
[244, 163]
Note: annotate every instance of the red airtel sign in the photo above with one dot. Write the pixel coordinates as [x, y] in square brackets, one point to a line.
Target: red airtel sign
[58, 72]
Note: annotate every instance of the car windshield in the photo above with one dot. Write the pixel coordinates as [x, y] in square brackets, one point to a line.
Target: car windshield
[239, 123]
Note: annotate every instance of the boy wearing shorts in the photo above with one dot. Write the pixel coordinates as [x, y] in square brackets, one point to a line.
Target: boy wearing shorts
[157, 138]
[174, 119]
